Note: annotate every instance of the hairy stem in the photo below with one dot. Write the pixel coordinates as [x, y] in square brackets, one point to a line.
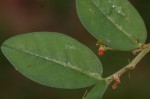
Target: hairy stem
[132, 65]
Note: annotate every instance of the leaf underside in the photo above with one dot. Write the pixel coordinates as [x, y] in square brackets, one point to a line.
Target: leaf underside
[53, 59]
[115, 22]
[97, 91]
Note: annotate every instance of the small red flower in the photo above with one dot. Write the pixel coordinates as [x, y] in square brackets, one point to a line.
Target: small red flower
[117, 81]
[100, 52]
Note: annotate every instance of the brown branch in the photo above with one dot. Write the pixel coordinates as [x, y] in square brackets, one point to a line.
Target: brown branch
[132, 65]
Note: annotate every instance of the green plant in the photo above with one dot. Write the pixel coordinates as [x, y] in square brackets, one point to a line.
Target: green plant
[57, 60]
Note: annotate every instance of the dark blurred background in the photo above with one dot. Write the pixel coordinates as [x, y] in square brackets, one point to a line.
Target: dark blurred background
[22, 16]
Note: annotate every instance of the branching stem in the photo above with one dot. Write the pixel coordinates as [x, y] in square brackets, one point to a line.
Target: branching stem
[144, 50]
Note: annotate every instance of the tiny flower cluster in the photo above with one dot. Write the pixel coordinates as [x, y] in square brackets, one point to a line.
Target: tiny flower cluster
[102, 47]
[101, 50]
[117, 81]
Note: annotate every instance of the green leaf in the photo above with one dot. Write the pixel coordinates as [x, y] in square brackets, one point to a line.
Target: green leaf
[115, 22]
[97, 91]
[53, 59]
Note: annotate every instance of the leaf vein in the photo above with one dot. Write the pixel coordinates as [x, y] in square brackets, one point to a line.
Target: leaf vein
[67, 65]
[114, 23]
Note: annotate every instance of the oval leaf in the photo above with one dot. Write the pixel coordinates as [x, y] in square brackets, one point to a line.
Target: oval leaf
[97, 91]
[53, 59]
[115, 22]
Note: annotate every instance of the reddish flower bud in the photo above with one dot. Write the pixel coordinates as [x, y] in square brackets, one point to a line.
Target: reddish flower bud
[117, 81]
[100, 52]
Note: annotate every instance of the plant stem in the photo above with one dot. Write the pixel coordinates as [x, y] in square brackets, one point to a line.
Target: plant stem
[130, 66]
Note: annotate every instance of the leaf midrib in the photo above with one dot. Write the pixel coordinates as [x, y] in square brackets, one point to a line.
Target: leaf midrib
[116, 25]
[67, 65]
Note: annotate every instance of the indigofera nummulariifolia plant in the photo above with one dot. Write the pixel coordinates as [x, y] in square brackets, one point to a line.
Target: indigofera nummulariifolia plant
[57, 60]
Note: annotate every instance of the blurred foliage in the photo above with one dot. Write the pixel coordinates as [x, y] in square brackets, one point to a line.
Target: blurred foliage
[21, 16]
